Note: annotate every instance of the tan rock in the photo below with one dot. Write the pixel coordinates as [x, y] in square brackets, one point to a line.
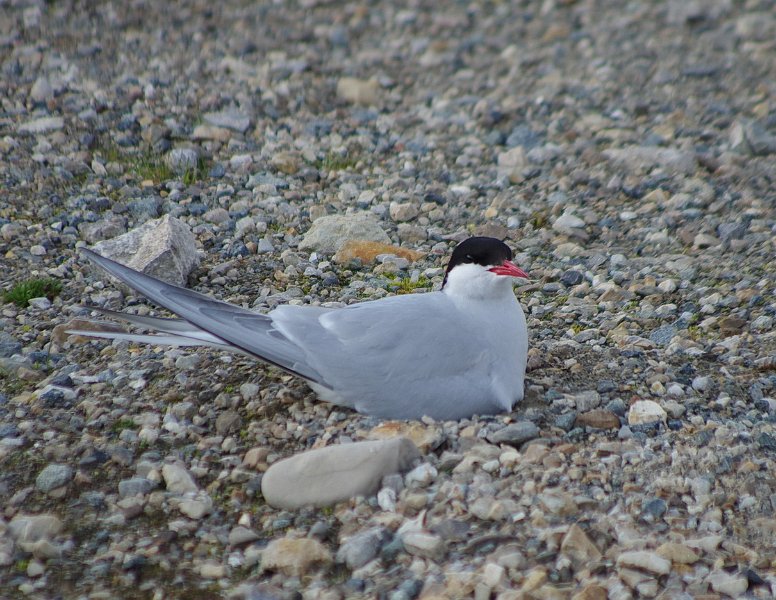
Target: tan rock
[425, 437]
[359, 91]
[579, 547]
[599, 418]
[295, 557]
[678, 553]
[535, 579]
[644, 560]
[368, 251]
[286, 162]
[592, 591]
[211, 132]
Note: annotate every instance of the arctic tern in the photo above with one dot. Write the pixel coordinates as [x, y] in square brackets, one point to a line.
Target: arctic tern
[447, 354]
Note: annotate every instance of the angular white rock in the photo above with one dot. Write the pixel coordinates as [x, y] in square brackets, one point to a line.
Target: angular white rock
[164, 248]
[644, 412]
[644, 560]
[178, 480]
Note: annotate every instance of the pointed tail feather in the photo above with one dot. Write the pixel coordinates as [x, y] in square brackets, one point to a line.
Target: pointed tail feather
[225, 323]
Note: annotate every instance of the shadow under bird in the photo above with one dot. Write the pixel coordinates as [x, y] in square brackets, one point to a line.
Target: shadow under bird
[447, 354]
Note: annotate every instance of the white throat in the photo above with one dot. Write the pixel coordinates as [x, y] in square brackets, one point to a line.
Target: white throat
[474, 282]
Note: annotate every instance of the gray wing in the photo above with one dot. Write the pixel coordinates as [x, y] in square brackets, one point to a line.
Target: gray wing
[251, 332]
[399, 357]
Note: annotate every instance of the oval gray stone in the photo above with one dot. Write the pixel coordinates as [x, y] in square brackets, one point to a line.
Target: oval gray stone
[134, 486]
[329, 475]
[515, 434]
[53, 477]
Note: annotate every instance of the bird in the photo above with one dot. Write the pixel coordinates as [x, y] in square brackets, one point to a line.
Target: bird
[448, 354]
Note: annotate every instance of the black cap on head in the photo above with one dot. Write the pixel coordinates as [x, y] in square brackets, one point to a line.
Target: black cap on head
[484, 251]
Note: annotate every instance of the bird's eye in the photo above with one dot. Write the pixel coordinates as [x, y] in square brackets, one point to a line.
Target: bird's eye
[470, 257]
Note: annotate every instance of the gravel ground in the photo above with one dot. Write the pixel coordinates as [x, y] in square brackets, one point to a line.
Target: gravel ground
[626, 151]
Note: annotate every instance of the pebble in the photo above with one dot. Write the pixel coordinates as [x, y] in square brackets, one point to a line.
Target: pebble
[135, 486]
[228, 119]
[644, 561]
[30, 529]
[182, 160]
[598, 418]
[578, 546]
[359, 91]
[568, 221]
[324, 476]
[53, 476]
[362, 548]
[645, 412]
[328, 234]
[732, 584]
[196, 506]
[515, 433]
[178, 480]
[42, 125]
[295, 557]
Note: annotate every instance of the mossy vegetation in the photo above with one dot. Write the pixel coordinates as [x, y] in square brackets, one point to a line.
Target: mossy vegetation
[123, 424]
[148, 165]
[21, 293]
[337, 162]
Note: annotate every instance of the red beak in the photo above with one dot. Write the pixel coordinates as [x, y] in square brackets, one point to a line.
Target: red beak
[509, 268]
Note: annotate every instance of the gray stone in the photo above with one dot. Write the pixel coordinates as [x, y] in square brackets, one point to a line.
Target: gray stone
[182, 160]
[249, 391]
[242, 535]
[28, 529]
[228, 422]
[403, 211]
[177, 479]
[358, 550]
[41, 90]
[515, 433]
[228, 119]
[587, 400]
[568, 221]
[53, 476]
[663, 335]
[572, 277]
[328, 475]
[329, 233]
[102, 229]
[41, 303]
[135, 486]
[197, 506]
[42, 125]
[641, 158]
[164, 248]
[216, 215]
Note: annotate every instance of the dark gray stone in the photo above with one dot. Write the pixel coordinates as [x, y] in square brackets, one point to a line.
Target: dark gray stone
[135, 486]
[663, 335]
[515, 434]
